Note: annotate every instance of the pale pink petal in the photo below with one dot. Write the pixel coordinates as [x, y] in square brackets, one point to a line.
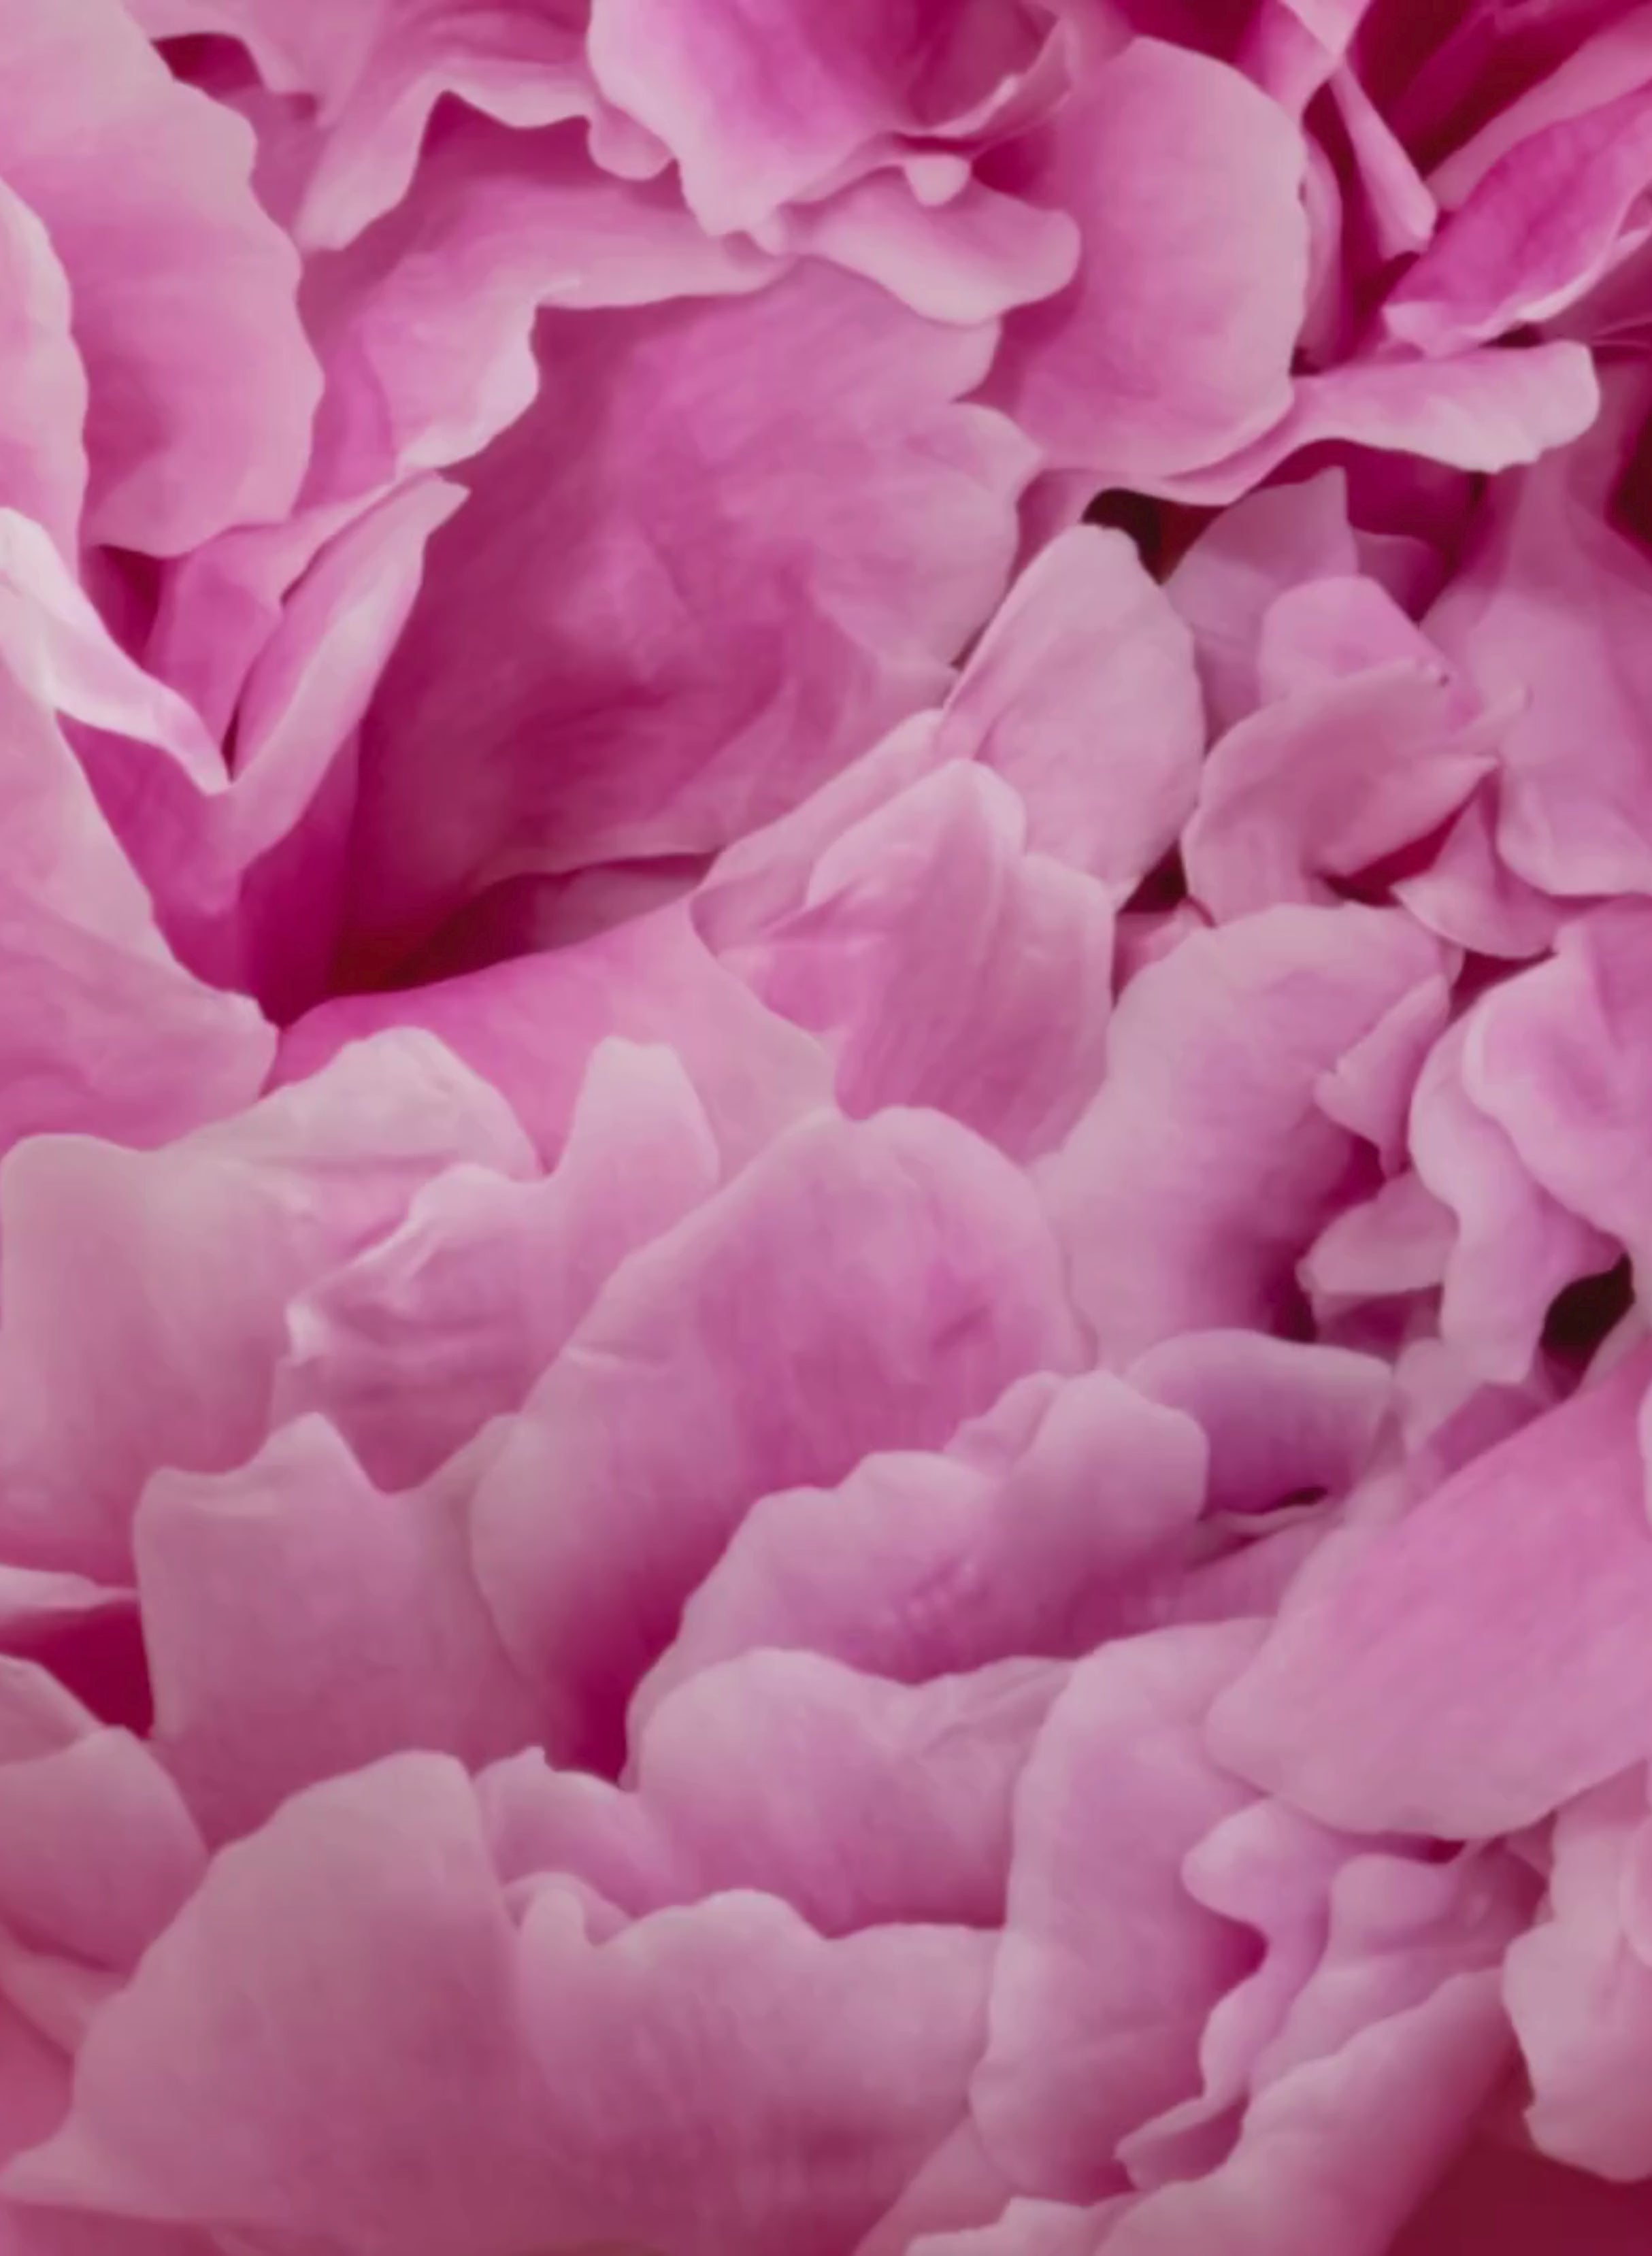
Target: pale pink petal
[1369, 1089]
[922, 1565]
[1333, 2157]
[1470, 895]
[972, 259]
[497, 224]
[43, 388]
[652, 981]
[719, 2076]
[97, 1852]
[1467, 1669]
[857, 1287]
[1204, 1170]
[1152, 158]
[1558, 1058]
[1546, 609]
[857, 1800]
[241, 2080]
[721, 2081]
[195, 1249]
[445, 1322]
[1580, 1992]
[944, 965]
[377, 71]
[300, 1622]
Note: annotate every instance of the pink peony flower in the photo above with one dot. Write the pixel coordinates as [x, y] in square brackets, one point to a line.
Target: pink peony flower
[823, 1421]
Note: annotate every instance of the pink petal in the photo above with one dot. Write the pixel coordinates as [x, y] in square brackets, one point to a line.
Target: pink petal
[1546, 222]
[758, 107]
[1467, 1670]
[857, 1800]
[1202, 1171]
[43, 389]
[196, 1249]
[202, 385]
[1107, 1968]
[652, 981]
[1558, 1058]
[1150, 158]
[682, 689]
[970, 260]
[1487, 410]
[945, 966]
[1280, 538]
[97, 1852]
[1516, 1247]
[1334, 2157]
[1082, 694]
[300, 1623]
[918, 1565]
[1328, 782]
[720, 2068]
[1281, 1417]
[857, 1287]
[445, 1322]
[1580, 1992]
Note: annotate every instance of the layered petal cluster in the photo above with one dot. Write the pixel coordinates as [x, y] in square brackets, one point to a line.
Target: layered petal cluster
[825, 1043]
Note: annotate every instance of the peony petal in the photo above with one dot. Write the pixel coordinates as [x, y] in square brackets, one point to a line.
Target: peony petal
[202, 385]
[759, 107]
[1082, 694]
[1580, 1993]
[917, 1565]
[683, 687]
[1107, 1968]
[1281, 1418]
[1516, 1247]
[1327, 783]
[1202, 1171]
[652, 981]
[1467, 1670]
[1544, 224]
[1151, 157]
[856, 1287]
[196, 1250]
[945, 966]
[415, 1344]
[1487, 410]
